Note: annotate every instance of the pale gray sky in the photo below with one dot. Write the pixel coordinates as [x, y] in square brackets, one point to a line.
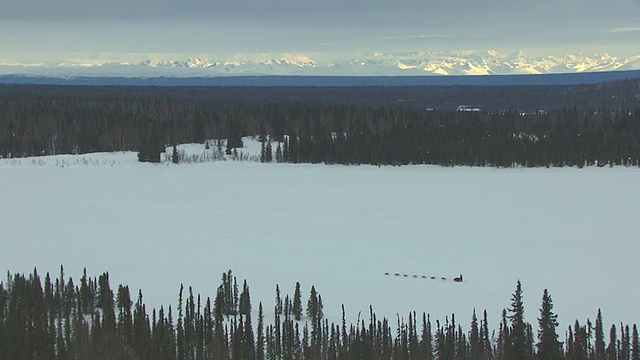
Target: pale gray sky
[45, 30]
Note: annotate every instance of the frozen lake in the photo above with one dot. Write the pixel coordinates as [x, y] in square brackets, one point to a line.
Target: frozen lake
[340, 228]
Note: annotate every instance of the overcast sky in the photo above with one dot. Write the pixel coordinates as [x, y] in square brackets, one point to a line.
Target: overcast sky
[48, 30]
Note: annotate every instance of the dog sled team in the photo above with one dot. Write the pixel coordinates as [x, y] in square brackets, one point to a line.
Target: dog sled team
[456, 279]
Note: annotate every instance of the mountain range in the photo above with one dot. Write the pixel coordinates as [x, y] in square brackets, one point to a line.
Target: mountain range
[373, 64]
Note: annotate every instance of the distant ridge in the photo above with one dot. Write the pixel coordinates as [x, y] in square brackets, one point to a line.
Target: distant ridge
[332, 81]
[412, 63]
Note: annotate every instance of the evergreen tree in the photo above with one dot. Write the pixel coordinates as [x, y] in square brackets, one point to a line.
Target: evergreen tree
[180, 333]
[249, 350]
[229, 288]
[427, 338]
[312, 304]
[600, 353]
[286, 155]
[612, 348]
[297, 302]
[268, 152]
[125, 318]
[219, 306]
[487, 349]
[625, 343]
[141, 330]
[503, 346]
[277, 336]
[174, 155]
[263, 152]
[577, 348]
[475, 340]
[229, 148]
[635, 344]
[287, 307]
[245, 300]
[278, 306]
[548, 345]
[189, 325]
[48, 322]
[219, 143]
[518, 330]
[320, 307]
[236, 295]
[105, 303]
[3, 335]
[260, 346]
[462, 348]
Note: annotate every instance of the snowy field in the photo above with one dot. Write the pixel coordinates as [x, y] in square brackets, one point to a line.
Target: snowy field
[340, 228]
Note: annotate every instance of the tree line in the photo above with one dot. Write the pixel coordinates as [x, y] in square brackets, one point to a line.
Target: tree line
[41, 120]
[508, 139]
[63, 319]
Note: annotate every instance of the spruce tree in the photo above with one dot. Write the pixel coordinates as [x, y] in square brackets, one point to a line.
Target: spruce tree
[612, 348]
[297, 302]
[106, 303]
[3, 335]
[286, 156]
[260, 335]
[249, 350]
[236, 295]
[278, 306]
[600, 353]
[487, 348]
[229, 149]
[320, 307]
[580, 349]
[287, 307]
[263, 152]
[245, 299]
[174, 155]
[219, 306]
[312, 304]
[518, 330]
[125, 319]
[475, 340]
[180, 338]
[141, 331]
[427, 338]
[548, 345]
[268, 156]
[503, 347]
[625, 343]
[635, 344]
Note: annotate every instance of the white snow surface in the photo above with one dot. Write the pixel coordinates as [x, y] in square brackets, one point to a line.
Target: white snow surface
[470, 62]
[340, 228]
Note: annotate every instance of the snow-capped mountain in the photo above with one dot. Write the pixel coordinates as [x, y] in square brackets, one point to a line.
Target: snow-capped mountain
[263, 64]
[392, 64]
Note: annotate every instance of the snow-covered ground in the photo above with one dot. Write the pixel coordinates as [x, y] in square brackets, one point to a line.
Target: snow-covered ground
[340, 228]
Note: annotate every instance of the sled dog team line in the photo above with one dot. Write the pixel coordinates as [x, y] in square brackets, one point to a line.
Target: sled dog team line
[456, 279]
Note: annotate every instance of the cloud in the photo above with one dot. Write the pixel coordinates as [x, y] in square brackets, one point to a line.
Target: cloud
[624, 30]
[309, 25]
[399, 37]
[123, 9]
[208, 9]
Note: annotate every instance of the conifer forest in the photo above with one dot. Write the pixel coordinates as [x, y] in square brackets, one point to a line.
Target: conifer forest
[550, 126]
[57, 316]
